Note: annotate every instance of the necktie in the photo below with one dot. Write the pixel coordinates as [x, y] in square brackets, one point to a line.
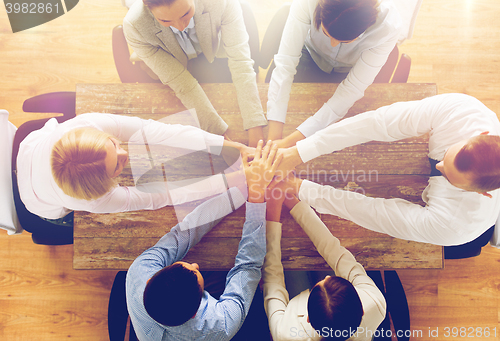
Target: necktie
[188, 45]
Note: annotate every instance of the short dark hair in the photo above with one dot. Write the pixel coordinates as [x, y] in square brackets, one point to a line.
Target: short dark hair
[156, 3]
[335, 305]
[345, 19]
[173, 295]
[480, 157]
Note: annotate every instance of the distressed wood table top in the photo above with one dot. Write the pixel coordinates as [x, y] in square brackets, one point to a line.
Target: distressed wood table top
[378, 169]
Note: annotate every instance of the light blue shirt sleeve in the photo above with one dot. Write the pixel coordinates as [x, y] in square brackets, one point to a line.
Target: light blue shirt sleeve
[171, 248]
[243, 278]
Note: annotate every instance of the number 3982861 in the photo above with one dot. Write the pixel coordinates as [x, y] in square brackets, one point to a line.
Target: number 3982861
[31, 8]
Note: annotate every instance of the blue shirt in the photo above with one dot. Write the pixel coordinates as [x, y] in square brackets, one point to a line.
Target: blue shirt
[215, 319]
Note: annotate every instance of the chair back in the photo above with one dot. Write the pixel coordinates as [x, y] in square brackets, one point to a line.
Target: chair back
[272, 37]
[42, 231]
[118, 312]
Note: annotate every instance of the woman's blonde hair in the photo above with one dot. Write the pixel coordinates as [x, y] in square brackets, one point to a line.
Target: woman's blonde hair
[78, 165]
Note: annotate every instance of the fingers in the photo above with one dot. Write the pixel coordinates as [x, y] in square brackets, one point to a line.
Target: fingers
[245, 160]
[265, 151]
[272, 155]
[258, 150]
[276, 163]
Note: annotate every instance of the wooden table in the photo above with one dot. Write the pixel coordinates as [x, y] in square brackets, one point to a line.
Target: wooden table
[389, 170]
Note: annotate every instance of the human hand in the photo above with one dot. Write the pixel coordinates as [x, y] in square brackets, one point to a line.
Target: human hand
[260, 171]
[291, 159]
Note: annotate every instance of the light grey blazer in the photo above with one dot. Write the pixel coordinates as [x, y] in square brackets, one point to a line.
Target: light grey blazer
[221, 33]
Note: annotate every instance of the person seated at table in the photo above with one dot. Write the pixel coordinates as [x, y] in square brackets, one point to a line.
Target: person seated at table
[462, 197]
[346, 304]
[176, 37]
[165, 295]
[325, 38]
[74, 165]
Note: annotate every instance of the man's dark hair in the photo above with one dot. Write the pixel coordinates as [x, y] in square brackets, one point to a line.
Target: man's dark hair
[156, 3]
[480, 158]
[345, 19]
[173, 295]
[336, 306]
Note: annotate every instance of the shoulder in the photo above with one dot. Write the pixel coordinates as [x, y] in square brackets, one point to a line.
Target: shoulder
[462, 105]
[388, 25]
[374, 307]
[139, 15]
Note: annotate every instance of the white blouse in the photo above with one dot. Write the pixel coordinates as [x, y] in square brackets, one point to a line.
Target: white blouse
[452, 216]
[366, 55]
[43, 197]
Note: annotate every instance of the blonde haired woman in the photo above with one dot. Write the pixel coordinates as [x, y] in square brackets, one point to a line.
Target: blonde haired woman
[85, 162]
[71, 166]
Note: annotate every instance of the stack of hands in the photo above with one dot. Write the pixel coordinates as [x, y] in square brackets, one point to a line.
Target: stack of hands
[270, 178]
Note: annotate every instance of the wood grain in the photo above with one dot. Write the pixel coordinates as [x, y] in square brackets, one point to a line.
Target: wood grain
[357, 166]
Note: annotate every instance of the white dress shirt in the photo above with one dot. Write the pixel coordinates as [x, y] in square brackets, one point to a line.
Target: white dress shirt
[42, 196]
[188, 39]
[288, 318]
[366, 55]
[452, 216]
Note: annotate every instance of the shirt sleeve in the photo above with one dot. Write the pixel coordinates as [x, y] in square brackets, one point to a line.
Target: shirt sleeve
[234, 36]
[294, 35]
[389, 123]
[174, 74]
[341, 261]
[351, 89]
[174, 245]
[136, 130]
[276, 296]
[243, 278]
[451, 217]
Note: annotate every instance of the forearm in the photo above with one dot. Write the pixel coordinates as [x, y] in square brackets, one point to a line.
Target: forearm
[339, 258]
[395, 217]
[286, 60]
[234, 36]
[254, 135]
[275, 294]
[243, 278]
[174, 245]
[174, 74]
[389, 123]
[361, 75]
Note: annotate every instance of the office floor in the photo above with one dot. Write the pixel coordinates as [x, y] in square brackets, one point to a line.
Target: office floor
[456, 44]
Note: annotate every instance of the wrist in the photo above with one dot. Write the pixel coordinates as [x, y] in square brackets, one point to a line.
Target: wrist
[293, 138]
[292, 153]
[254, 135]
[256, 196]
[275, 130]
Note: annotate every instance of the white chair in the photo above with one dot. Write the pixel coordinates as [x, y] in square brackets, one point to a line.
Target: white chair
[14, 217]
[8, 216]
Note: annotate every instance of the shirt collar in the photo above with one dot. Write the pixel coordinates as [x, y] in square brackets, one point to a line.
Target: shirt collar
[189, 26]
